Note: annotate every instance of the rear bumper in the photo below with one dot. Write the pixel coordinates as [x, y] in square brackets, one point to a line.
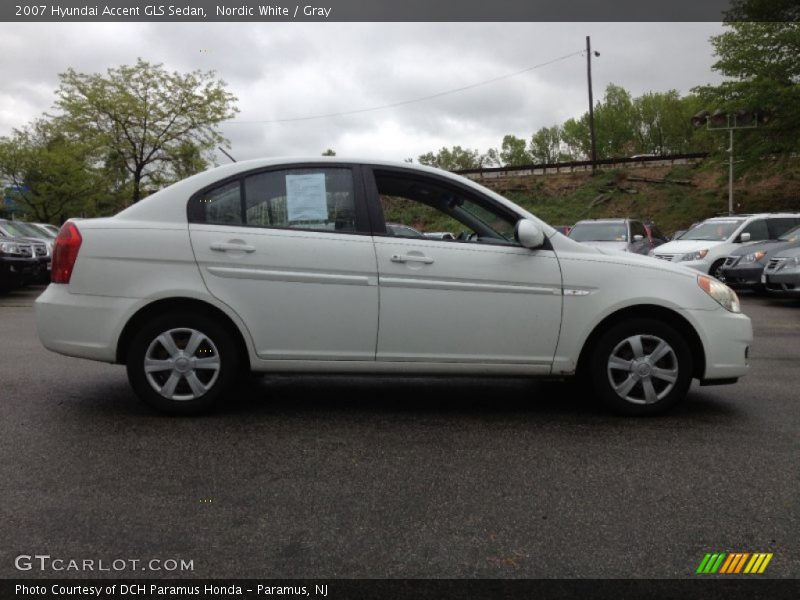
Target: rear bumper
[81, 325]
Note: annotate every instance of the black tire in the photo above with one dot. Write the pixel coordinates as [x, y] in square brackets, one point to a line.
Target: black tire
[623, 387]
[190, 384]
[714, 271]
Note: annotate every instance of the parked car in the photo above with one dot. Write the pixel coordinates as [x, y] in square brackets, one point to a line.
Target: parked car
[625, 235]
[17, 263]
[744, 266]
[398, 230]
[51, 231]
[782, 273]
[654, 234]
[42, 247]
[706, 246]
[563, 229]
[289, 267]
[439, 235]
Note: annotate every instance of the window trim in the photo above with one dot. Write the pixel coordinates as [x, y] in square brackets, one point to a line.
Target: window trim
[195, 215]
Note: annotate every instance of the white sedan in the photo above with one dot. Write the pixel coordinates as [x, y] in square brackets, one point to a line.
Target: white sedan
[288, 267]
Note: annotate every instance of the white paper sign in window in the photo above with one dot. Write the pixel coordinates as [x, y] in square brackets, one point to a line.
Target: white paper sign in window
[306, 198]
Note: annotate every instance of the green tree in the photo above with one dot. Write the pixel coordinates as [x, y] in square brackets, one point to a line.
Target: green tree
[663, 123]
[615, 124]
[575, 136]
[147, 118]
[761, 64]
[514, 152]
[545, 146]
[329, 152]
[451, 159]
[490, 158]
[52, 172]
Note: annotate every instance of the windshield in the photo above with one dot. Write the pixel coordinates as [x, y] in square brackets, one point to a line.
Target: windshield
[717, 231]
[17, 230]
[791, 236]
[599, 232]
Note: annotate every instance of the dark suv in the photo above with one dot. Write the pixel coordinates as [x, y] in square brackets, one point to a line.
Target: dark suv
[41, 245]
[18, 265]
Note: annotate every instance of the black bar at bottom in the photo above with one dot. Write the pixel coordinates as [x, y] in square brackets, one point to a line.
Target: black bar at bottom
[705, 587]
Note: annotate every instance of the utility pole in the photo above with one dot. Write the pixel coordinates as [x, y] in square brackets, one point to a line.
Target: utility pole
[730, 122]
[591, 100]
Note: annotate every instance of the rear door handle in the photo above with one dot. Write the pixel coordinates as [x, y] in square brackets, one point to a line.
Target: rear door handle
[404, 258]
[232, 247]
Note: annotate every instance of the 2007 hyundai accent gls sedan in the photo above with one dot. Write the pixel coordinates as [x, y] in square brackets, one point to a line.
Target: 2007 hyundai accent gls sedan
[288, 267]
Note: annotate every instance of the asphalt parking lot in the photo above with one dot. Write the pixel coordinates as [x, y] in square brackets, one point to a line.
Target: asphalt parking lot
[393, 477]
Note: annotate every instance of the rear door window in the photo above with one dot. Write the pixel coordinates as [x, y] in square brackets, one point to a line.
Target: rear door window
[780, 225]
[757, 230]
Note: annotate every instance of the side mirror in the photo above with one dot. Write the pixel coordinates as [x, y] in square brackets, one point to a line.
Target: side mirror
[745, 237]
[528, 234]
[638, 238]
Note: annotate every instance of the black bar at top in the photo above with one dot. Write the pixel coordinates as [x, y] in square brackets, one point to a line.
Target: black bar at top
[389, 10]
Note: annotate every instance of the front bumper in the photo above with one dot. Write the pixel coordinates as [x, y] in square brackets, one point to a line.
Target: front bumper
[81, 325]
[18, 269]
[749, 276]
[726, 339]
[785, 281]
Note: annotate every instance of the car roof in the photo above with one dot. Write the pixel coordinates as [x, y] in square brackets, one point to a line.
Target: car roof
[168, 205]
[752, 216]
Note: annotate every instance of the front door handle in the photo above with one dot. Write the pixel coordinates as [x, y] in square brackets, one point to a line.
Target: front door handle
[404, 258]
[232, 247]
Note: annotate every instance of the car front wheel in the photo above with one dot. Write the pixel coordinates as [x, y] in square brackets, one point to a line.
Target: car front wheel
[182, 364]
[641, 367]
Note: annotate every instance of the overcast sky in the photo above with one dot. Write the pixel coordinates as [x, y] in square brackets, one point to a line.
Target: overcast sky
[292, 70]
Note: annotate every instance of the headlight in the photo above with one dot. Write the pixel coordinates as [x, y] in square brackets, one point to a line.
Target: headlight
[720, 292]
[754, 256]
[9, 248]
[699, 255]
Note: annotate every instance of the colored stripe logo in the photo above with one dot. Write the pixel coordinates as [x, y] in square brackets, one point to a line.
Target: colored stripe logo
[734, 563]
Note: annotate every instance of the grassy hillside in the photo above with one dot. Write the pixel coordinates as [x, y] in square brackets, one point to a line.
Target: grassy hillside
[673, 197]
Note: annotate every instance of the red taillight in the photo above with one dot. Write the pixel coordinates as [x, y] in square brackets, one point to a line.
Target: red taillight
[65, 253]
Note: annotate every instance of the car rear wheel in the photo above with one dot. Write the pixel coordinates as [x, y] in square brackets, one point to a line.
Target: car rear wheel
[182, 363]
[641, 367]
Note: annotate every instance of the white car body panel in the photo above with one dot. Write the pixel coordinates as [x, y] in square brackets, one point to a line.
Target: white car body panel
[288, 288]
[489, 304]
[477, 309]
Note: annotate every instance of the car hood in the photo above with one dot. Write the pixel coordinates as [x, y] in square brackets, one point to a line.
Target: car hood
[768, 246]
[568, 248]
[684, 246]
[789, 252]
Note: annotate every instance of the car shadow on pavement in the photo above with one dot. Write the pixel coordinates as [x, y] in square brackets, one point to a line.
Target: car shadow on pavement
[316, 397]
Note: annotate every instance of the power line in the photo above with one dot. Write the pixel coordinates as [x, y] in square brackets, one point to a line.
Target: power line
[413, 100]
